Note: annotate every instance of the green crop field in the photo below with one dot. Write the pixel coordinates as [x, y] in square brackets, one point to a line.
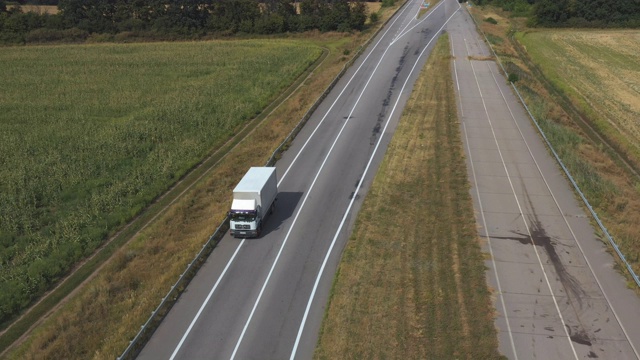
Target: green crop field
[91, 134]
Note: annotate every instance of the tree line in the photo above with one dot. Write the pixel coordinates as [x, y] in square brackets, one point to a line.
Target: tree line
[78, 19]
[573, 13]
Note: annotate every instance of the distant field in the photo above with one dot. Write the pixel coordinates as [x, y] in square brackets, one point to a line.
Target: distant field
[411, 282]
[89, 135]
[600, 71]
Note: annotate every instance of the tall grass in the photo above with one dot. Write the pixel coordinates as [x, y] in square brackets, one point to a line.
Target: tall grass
[90, 135]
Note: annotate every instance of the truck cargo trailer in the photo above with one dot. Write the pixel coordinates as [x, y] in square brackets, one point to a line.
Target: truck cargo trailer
[253, 200]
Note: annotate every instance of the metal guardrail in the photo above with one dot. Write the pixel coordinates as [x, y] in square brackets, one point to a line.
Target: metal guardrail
[167, 302]
[149, 327]
[564, 168]
[582, 196]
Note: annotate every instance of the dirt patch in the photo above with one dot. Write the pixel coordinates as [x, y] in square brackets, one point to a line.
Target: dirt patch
[481, 58]
[38, 9]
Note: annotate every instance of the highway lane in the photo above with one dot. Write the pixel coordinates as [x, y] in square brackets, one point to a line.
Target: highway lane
[264, 298]
[557, 294]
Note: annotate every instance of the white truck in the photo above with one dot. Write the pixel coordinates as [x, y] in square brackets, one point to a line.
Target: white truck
[253, 199]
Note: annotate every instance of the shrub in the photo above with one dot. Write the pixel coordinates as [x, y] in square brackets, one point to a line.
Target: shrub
[387, 3]
[491, 20]
[374, 18]
[494, 40]
[75, 35]
[43, 35]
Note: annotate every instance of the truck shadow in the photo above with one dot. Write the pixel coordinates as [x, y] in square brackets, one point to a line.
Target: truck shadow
[286, 203]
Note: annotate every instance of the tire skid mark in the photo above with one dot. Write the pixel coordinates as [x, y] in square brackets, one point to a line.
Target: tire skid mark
[385, 103]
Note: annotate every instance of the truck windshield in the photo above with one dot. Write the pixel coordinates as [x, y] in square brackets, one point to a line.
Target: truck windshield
[243, 216]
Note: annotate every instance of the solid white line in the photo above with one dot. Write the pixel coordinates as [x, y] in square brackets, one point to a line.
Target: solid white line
[335, 141]
[281, 179]
[484, 224]
[403, 33]
[339, 96]
[493, 259]
[565, 218]
[455, 70]
[173, 355]
[553, 297]
[346, 214]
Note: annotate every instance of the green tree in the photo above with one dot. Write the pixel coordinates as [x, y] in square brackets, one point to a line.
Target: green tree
[232, 15]
[358, 15]
[551, 12]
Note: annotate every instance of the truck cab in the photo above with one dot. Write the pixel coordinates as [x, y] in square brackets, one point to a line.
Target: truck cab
[245, 221]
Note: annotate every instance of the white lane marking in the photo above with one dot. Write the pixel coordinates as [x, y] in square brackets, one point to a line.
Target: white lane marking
[400, 28]
[338, 97]
[455, 70]
[335, 141]
[493, 259]
[553, 297]
[403, 33]
[346, 214]
[411, 19]
[484, 224]
[281, 179]
[564, 217]
[206, 301]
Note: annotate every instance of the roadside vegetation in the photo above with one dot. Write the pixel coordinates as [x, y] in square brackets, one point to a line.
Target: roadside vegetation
[124, 21]
[102, 315]
[570, 13]
[581, 85]
[411, 283]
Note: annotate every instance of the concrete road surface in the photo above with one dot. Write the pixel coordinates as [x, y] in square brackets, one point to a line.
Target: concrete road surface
[557, 295]
[264, 298]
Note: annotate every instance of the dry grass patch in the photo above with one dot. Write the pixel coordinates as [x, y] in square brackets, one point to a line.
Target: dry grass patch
[373, 7]
[411, 283]
[481, 58]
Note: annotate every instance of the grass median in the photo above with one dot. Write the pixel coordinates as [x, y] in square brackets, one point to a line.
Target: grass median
[411, 283]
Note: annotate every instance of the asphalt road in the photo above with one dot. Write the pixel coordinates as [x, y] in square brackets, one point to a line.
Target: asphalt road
[265, 298]
[557, 295]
